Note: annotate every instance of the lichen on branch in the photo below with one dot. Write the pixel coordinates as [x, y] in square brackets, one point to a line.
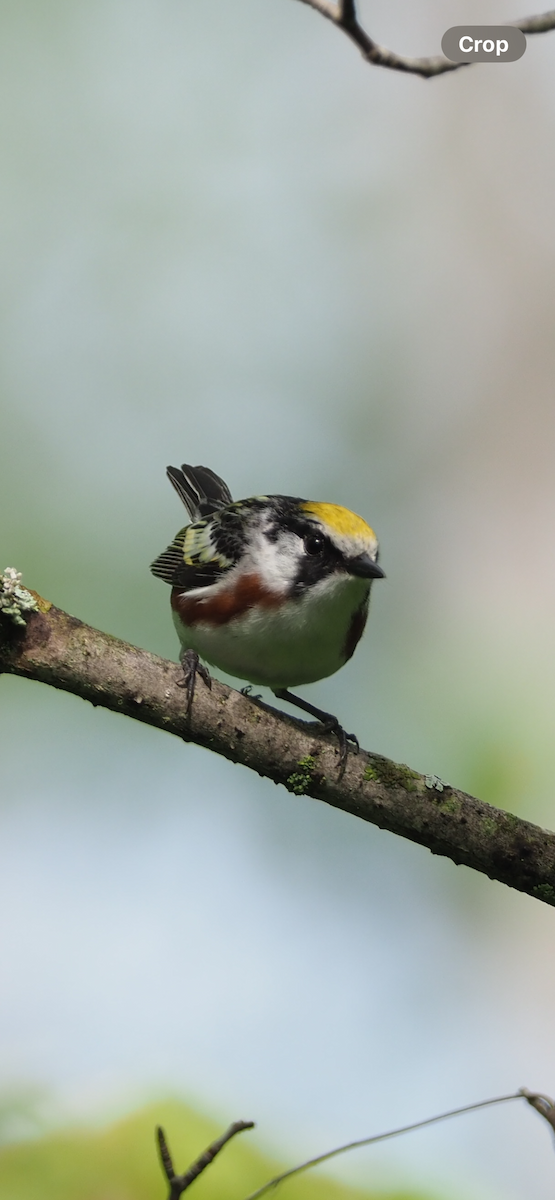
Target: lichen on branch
[15, 599]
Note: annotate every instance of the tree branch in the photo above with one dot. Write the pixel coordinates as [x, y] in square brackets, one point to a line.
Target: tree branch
[536, 1101]
[343, 15]
[542, 1104]
[61, 651]
[179, 1183]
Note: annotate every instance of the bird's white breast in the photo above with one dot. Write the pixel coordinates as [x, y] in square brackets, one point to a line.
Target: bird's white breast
[295, 642]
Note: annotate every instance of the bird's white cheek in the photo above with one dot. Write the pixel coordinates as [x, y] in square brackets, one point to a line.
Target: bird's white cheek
[276, 563]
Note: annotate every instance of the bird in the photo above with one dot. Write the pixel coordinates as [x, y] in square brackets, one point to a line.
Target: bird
[273, 590]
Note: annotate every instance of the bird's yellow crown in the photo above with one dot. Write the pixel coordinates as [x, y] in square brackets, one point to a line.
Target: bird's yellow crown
[341, 520]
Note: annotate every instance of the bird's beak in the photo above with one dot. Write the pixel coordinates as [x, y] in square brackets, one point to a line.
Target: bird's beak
[365, 567]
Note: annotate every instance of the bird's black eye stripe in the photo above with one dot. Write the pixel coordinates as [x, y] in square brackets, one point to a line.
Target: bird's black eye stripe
[314, 544]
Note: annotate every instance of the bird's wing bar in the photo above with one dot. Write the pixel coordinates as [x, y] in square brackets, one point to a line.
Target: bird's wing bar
[170, 567]
[192, 560]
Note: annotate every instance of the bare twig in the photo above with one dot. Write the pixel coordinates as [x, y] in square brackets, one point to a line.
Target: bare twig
[542, 1104]
[61, 651]
[178, 1183]
[343, 15]
[537, 1101]
[165, 1156]
[540, 24]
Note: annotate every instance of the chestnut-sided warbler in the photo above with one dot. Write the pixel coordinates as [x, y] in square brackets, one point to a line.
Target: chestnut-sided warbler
[273, 589]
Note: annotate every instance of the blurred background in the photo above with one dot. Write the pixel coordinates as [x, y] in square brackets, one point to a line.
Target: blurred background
[226, 239]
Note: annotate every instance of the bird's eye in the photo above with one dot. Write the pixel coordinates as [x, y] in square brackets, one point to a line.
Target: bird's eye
[314, 544]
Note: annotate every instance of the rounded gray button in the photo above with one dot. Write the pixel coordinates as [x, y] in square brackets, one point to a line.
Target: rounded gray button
[483, 43]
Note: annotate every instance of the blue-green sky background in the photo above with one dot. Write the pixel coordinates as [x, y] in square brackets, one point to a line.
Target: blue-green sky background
[225, 239]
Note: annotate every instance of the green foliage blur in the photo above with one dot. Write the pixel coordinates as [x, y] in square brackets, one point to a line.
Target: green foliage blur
[120, 1163]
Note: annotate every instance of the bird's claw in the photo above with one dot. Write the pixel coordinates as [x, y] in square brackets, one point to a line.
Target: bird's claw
[191, 668]
[343, 738]
[327, 722]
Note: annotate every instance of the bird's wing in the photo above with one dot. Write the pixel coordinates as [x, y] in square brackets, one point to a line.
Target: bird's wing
[193, 559]
[201, 491]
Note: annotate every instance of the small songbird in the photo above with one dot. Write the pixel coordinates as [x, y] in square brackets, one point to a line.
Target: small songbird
[273, 590]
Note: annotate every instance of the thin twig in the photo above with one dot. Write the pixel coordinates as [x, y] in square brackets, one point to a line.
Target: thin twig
[540, 24]
[382, 1137]
[542, 1104]
[179, 1183]
[165, 1156]
[343, 15]
[347, 11]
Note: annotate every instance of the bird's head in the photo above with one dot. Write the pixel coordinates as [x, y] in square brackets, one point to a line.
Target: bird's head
[297, 544]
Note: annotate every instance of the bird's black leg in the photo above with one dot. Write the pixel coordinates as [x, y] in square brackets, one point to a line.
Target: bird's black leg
[330, 723]
[191, 668]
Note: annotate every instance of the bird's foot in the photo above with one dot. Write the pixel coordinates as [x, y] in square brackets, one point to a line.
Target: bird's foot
[329, 723]
[247, 691]
[332, 726]
[192, 667]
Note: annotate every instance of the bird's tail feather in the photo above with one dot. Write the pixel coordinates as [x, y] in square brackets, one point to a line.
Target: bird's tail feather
[201, 490]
